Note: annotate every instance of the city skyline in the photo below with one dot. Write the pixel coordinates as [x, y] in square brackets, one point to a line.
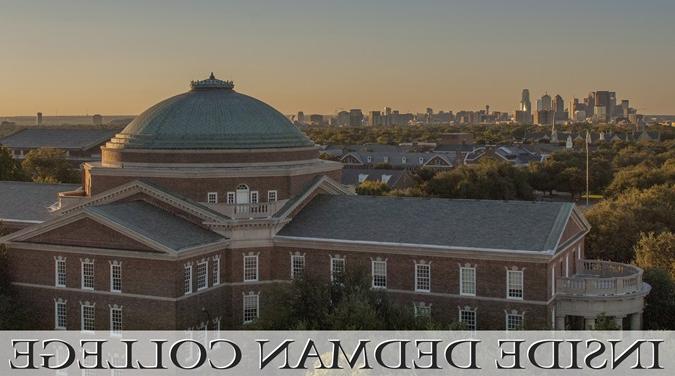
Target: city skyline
[318, 58]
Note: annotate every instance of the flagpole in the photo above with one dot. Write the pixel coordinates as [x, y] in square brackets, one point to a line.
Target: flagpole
[587, 142]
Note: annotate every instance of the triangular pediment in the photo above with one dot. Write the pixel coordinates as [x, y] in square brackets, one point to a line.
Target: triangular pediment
[86, 232]
[139, 190]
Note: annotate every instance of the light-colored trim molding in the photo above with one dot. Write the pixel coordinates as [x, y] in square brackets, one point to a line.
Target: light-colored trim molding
[464, 297]
[149, 297]
[406, 248]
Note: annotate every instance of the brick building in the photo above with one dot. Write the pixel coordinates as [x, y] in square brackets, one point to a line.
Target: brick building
[210, 197]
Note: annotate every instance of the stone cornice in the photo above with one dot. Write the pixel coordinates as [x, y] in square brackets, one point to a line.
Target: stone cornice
[413, 249]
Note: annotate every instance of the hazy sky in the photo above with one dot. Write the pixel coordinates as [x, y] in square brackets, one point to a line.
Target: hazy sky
[120, 57]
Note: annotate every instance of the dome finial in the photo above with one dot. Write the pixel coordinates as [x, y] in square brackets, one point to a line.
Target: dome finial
[211, 83]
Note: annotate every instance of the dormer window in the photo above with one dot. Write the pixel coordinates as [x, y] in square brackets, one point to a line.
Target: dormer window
[421, 160]
[369, 159]
[404, 160]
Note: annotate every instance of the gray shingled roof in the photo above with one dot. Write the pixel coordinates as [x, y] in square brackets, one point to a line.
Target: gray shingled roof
[156, 224]
[71, 138]
[506, 225]
[26, 201]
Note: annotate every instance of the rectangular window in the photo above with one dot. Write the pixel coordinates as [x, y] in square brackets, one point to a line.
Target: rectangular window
[187, 279]
[230, 198]
[337, 268]
[514, 321]
[115, 319]
[297, 266]
[271, 196]
[467, 281]
[422, 310]
[88, 317]
[88, 274]
[379, 274]
[212, 197]
[250, 268]
[254, 197]
[468, 318]
[423, 277]
[60, 278]
[202, 275]
[60, 315]
[250, 308]
[216, 271]
[116, 277]
[514, 284]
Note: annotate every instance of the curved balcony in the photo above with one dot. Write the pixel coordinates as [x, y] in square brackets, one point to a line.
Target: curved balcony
[600, 287]
[602, 278]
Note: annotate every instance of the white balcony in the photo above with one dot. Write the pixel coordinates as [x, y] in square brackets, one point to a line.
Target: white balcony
[601, 278]
[600, 288]
[248, 211]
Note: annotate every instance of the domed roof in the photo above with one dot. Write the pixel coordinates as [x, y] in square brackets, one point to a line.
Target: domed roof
[211, 116]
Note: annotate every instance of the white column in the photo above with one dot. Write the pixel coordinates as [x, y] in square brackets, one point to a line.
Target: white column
[589, 323]
[618, 321]
[559, 323]
[636, 321]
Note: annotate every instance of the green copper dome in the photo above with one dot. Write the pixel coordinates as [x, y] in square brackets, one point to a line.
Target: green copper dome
[211, 116]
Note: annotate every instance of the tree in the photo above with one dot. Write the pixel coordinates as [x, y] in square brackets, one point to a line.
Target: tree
[604, 322]
[49, 166]
[12, 315]
[656, 251]
[659, 312]
[493, 180]
[618, 222]
[642, 176]
[348, 303]
[10, 168]
[372, 188]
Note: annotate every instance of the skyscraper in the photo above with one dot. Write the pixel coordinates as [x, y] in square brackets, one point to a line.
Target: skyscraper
[525, 104]
[545, 103]
[39, 119]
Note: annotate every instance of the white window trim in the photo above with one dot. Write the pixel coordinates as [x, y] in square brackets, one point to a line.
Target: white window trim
[113, 308]
[344, 266]
[231, 200]
[506, 320]
[461, 281]
[57, 261]
[204, 262]
[428, 265]
[272, 193]
[372, 272]
[243, 307]
[82, 263]
[522, 284]
[187, 267]
[216, 271]
[254, 197]
[58, 302]
[82, 306]
[257, 268]
[209, 195]
[293, 257]
[421, 305]
[475, 316]
[113, 264]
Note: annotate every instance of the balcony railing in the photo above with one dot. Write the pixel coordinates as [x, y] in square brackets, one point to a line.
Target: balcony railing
[248, 211]
[601, 278]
